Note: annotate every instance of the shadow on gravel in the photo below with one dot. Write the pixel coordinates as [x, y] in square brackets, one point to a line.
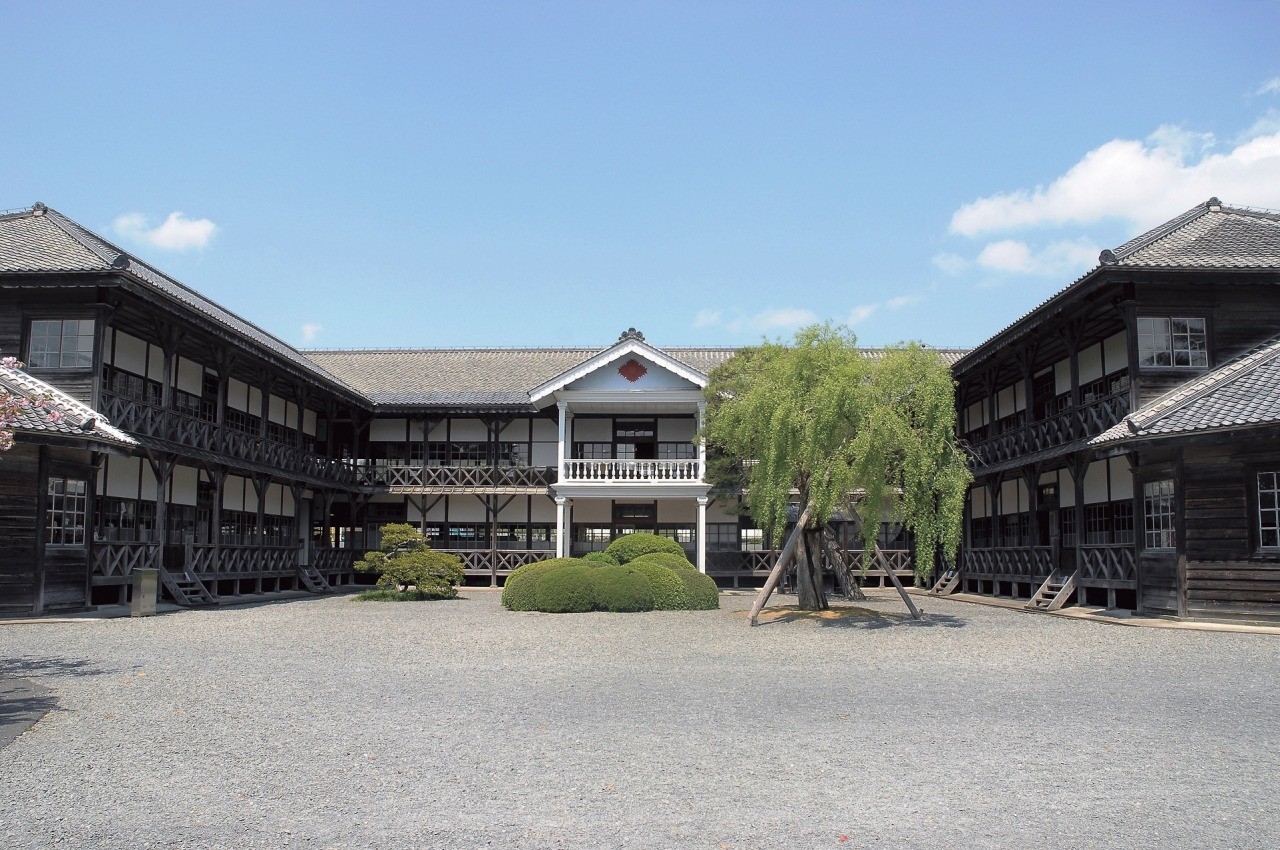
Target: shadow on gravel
[48, 667]
[854, 617]
[22, 704]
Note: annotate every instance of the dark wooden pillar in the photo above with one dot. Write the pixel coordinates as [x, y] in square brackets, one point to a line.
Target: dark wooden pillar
[40, 531]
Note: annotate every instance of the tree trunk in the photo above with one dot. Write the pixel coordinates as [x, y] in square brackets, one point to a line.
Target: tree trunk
[783, 558]
[906, 597]
[811, 593]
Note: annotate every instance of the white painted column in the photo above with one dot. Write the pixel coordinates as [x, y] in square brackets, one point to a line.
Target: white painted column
[563, 407]
[702, 444]
[702, 534]
[560, 500]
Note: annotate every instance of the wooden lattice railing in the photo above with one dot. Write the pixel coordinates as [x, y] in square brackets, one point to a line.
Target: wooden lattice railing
[112, 559]
[762, 561]
[148, 420]
[1087, 420]
[1113, 563]
[481, 561]
[420, 477]
[1026, 561]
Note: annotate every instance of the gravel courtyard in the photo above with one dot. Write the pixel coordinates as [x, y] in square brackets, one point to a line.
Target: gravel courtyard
[329, 723]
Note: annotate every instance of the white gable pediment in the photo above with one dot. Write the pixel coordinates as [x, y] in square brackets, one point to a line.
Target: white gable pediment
[630, 365]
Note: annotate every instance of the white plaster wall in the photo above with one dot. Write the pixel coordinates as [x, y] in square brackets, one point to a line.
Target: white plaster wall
[1062, 376]
[677, 430]
[545, 454]
[190, 376]
[592, 430]
[979, 505]
[1121, 479]
[468, 430]
[517, 511]
[543, 509]
[1004, 402]
[516, 431]
[275, 410]
[387, 430]
[1095, 483]
[233, 493]
[237, 394]
[255, 401]
[677, 510]
[182, 485]
[545, 430]
[131, 354]
[155, 363]
[122, 477]
[1066, 489]
[595, 511]
[1009, 497]
[1091, 363]
[1115, 353]
[716, 512]
[309, 422]
[466, 509]
[976, 415]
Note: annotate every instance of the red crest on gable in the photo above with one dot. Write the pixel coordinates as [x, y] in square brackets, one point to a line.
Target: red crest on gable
[632, 370]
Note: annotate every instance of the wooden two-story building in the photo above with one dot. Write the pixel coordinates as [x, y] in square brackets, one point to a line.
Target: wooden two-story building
[1123, 432]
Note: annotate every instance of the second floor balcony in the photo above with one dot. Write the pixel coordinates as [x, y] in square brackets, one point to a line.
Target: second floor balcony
[1059, 429]
[583, 471]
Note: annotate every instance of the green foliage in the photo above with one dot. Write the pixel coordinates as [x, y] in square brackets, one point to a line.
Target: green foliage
[389, 594]
[519, 591]
[631, 546]
[621, 589]
[872, 435]
[700, 591]
[600, 558]
[668, 589]
[406, 562]
[565, 589]
[666, 559]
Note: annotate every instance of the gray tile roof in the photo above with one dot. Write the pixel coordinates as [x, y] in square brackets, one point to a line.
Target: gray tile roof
[74, 418]
[501, 377]
[1242, 393]
[43, 240]
[1210, 235]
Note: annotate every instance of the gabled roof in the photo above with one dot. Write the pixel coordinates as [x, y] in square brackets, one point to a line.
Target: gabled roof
[1209, 235]
[72, 419]
[630, 342]
[1242, 393]
[42, 240]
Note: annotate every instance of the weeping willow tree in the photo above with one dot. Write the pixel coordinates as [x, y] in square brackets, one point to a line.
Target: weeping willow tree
[818, 427]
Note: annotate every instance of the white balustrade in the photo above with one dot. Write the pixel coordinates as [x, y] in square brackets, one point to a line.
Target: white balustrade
[612, 471]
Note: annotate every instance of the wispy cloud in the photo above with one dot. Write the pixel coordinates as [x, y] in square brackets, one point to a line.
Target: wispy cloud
[1143, 182]
[706, 318]
[1010, 255]
[310, 331]
[948, 263]
[1271, 86]
[765, 321]
[861, 313]
[176, 233]
[903, 301]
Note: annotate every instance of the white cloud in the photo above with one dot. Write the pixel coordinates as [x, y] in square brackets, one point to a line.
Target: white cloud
[861, 313]
[1143, 182]
[706, 318]
[310, 331]
[902, 301]
[1271, 86]
[773, 319]
[1010, 255]
[176, 233]
[951, 264]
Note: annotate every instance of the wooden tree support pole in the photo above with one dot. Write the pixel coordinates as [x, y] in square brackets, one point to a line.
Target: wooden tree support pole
[902, 591]
[783, 558]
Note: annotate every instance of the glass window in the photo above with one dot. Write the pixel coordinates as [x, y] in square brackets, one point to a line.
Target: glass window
[60, 344]
[1172, 342]
[65, 512]
[1158, 510]
[752, 539]
[677, 451]
[1269, 510]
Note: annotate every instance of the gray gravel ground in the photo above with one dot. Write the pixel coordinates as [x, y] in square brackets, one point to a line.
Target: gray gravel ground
[334, 724]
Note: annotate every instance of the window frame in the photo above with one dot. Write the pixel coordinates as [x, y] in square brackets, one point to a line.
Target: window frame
[1169, 318]
[1172, 514]
[31, 359]
[56, 507]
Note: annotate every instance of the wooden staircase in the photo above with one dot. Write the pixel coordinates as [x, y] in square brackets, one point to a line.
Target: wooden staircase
[1054, 593]
[186, 590]
[948, 582]
[312, 580]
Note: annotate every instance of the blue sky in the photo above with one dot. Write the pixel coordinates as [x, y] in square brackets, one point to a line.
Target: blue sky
[366, 175]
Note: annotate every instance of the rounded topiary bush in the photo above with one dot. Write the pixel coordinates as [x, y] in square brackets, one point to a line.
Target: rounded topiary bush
[666, 559]
[565, 589]
[631, 546]
[668, 589]
[597, 558]
[520, 589]
[700, 591]
[621, 589]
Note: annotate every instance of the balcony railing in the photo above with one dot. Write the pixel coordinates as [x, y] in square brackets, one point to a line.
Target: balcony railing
[139, 417]
[1108, 564]
[427, 477]
[1020, 562]
[631, 471]
[1075, 423]
[760, 562]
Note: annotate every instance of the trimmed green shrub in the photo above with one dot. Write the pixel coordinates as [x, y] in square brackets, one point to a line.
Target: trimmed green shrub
[408, 567]
[668, 589]
[631, 546]
[666, 559]
[700, 591]
[520, 589]
[600, 558]
[390, 594]
[621, 589]
[565, 589]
